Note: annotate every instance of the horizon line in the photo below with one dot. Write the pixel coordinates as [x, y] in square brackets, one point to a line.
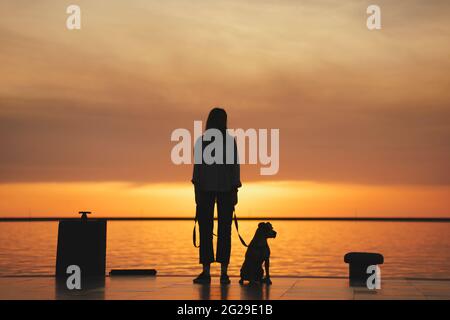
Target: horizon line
[387, 219]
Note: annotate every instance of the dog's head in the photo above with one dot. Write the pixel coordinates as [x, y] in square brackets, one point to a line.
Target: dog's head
[266, 229]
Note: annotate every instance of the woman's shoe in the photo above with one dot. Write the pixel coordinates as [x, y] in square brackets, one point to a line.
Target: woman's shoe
[203, 278]
[224, 279]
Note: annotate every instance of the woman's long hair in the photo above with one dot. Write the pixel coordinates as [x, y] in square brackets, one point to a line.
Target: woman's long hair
[217, 119]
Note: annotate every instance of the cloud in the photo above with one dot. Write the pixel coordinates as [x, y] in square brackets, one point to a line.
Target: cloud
[99, 105]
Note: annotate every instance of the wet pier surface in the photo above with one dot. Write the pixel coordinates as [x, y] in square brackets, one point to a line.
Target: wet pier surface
[171, 287]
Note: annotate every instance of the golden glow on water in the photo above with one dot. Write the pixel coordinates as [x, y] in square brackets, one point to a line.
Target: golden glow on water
[301, 248]
[283, 198]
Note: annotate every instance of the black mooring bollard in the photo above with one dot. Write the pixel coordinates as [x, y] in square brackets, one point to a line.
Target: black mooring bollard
[81, 243]
[358, 263]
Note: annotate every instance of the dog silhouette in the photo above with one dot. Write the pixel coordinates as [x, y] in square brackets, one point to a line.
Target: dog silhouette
[258, 252]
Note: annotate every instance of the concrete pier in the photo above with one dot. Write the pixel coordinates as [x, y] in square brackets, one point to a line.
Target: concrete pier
[182, 288]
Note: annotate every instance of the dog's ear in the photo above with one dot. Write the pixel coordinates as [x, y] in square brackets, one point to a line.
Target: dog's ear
[261, 224]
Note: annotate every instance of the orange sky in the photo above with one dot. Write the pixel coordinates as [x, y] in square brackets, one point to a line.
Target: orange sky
[86, 116]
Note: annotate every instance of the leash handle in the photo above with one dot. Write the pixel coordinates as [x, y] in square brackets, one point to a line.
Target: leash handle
[194, 234]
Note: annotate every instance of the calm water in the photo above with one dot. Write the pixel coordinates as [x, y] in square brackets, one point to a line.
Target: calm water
[302, 248]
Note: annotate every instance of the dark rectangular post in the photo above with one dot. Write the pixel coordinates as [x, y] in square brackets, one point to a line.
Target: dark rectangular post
[81, 243]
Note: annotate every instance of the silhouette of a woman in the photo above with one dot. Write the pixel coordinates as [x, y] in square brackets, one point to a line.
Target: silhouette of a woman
[215, 182]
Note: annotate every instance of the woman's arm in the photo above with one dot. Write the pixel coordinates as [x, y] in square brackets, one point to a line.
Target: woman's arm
[237, 175]
[234, 196]
[197, 195]
[236, 168]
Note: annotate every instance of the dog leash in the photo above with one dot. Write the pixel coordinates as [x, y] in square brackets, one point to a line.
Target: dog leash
[194, 233]
[237, 229]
